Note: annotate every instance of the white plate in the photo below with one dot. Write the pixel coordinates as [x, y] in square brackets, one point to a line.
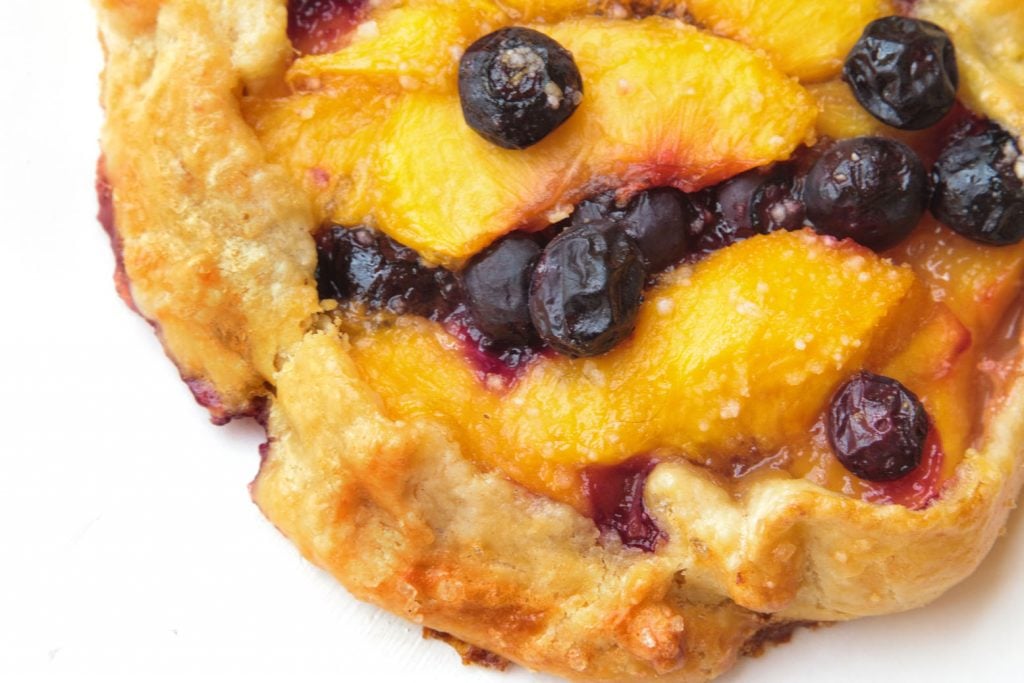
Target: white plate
[130, 547]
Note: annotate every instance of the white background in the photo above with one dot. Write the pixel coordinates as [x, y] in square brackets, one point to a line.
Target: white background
[129, 549]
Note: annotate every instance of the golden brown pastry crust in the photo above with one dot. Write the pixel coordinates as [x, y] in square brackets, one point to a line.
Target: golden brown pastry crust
[217, 250]
[214, 240]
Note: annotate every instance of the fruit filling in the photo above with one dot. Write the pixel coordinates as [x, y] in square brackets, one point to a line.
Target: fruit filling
[665, 104]
[616, 496]
[319, 26]
[587, 244]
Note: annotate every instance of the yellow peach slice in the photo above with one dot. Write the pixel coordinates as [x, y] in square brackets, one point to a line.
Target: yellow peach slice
[977, 281]
[418, 42]
[323, 140]
[841, 115]
[809, 40]
[550, 10]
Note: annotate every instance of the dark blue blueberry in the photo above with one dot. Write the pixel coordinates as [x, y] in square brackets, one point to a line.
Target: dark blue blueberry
[517, 85]
[877, 427]
[762, 200]
[873, 190]
[497, 287]
[586, 290]
[903, 71]
[359, 264]
[978, 191]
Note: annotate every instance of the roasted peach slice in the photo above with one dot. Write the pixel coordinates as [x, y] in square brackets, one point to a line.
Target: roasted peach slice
[937, 363]
[324, 162]
[419, 42]
[806, 39]
[664, 104]
[978, 282]
[663, 97]
[550, 10]
[841, 115]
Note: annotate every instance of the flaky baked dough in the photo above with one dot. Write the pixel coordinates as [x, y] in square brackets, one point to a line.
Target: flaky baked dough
[217, 250]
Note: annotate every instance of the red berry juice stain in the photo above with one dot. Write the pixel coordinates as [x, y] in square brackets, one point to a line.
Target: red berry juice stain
[920, 488]
[506, 363]
[319, 26]
[616, 495]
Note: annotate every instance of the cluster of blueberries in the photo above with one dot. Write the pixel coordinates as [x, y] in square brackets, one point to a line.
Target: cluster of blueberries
[576, 287]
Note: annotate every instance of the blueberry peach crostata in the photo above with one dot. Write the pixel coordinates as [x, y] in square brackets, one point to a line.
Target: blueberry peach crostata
[615, 339]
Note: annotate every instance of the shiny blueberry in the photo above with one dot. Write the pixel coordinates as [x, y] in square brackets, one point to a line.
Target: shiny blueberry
[497, 287]
[657, 220]
[600, 209]
[707, 228]
[903, 71]
[517, 85]
[586, 290]
[978, 186]
[762, 200]
[870, 189]
[362, 265]
[755, 202]
[877, 427]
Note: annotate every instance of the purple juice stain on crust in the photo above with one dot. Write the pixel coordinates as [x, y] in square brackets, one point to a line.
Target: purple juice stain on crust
[201, 389]
[107, 218]
[318, 26]
[207, 397]
[616, 495]
[105, 197]
[220, 414]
